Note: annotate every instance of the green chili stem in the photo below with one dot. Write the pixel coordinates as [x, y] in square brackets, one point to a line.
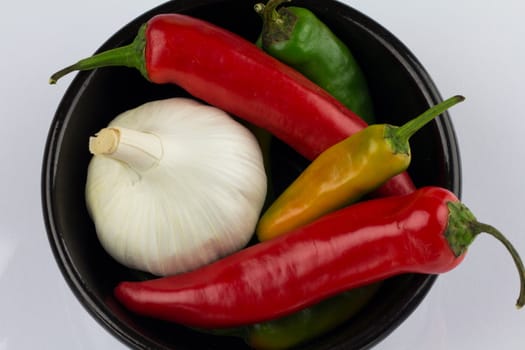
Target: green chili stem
[404, 132]
[259, 8]
[269, 11]
[485, 228]
[277, 25]
[131, 55]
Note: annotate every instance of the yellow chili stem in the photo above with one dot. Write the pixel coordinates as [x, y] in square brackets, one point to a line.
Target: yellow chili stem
[399, 136]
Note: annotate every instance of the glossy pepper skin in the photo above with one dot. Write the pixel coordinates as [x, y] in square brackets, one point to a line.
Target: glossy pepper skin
[233, 74]
[306, 324]
[297, 37]
[309, 323]
[427, 231]
[344, 173]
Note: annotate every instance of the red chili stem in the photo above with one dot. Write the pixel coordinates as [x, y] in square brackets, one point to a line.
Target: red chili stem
[479, 227]
[463, 228]
[128, 56]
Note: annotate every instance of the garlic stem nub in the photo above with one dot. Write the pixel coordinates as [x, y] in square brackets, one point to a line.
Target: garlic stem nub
[140, 150]
[104, 142]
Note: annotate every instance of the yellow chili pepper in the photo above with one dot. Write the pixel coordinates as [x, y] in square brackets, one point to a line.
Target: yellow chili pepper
[345, 172]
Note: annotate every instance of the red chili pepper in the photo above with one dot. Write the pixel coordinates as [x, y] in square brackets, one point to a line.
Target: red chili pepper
[427, 231]
[227, 71]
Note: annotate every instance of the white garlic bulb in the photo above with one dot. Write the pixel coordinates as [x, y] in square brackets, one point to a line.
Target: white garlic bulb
[173, 185]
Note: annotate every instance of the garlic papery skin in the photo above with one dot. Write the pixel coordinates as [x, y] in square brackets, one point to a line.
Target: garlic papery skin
[173, 185]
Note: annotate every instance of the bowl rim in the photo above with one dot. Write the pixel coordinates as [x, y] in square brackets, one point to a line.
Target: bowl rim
[94, 307]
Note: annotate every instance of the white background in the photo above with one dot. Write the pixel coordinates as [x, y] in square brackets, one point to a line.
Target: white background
[472, 47]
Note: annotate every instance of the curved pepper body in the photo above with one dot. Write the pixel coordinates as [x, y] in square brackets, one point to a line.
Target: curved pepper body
[231, 73]
[340, 175]
[352, 247]
[234, 75]
[301, 326]
[304, 42]
[345, 172]
[306, 324]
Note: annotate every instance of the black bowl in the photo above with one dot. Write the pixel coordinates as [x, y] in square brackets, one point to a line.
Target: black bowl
[400, 87]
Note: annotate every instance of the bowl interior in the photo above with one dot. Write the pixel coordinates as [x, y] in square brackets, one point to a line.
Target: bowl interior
[400, 87]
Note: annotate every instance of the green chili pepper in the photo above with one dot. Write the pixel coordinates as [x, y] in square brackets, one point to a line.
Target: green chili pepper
[311, 322]
[305, 325]
[296, 36]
